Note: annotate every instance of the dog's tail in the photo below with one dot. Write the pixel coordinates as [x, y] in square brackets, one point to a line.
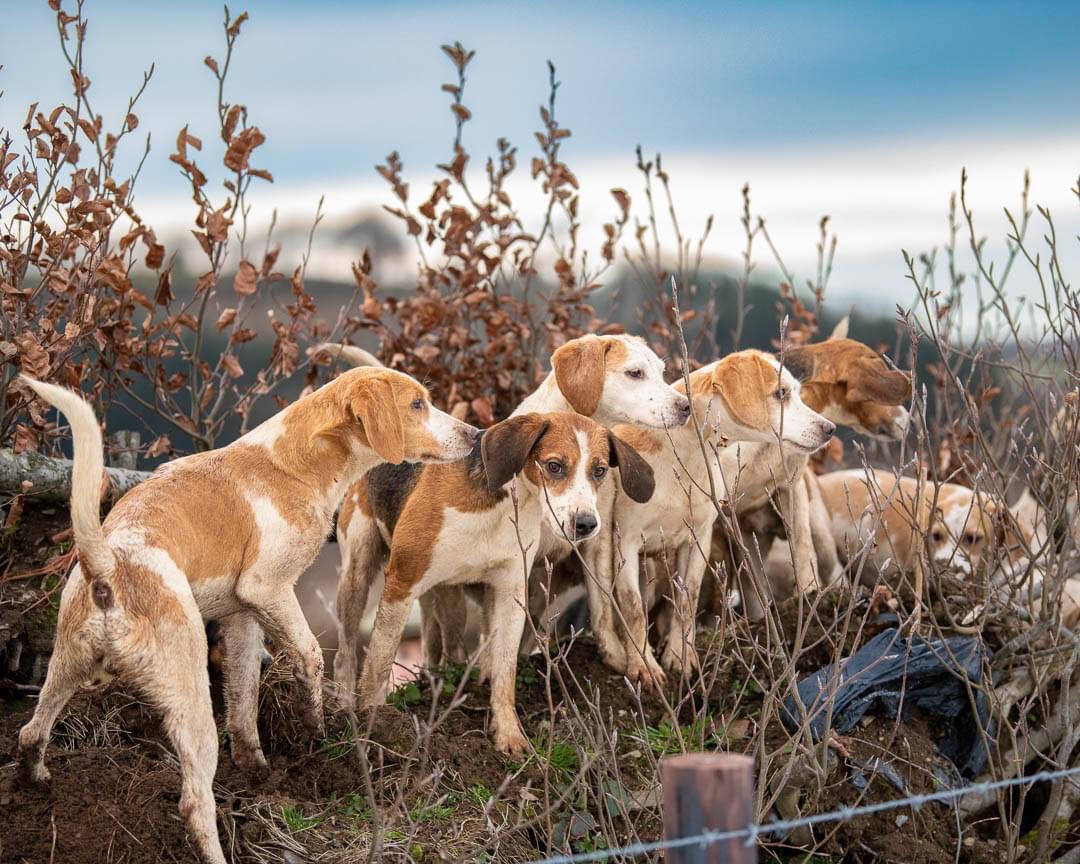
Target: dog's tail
[97, 559]
[350, 354]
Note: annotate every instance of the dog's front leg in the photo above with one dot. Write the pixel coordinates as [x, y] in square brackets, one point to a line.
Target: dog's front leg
[797, 518]
[598, 555]
[508, 605]
[641, 665]
[821, 536]
[281, 617]
[390, 623]
[680, 655]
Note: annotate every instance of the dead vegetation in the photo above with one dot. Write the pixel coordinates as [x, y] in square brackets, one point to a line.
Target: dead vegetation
[89, 297]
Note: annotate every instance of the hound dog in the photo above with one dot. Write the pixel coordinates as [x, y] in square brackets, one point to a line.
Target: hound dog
[771, 492]
[459, 523]
[218, 535]
[610, 379]
[744, 397]
[875, 511]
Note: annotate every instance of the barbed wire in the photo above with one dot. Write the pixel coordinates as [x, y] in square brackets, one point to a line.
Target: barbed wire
[782, 826]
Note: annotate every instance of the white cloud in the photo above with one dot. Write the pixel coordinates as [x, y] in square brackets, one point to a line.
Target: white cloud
[882, 198]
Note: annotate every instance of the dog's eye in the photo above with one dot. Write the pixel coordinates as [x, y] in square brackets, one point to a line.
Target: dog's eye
[599, 472]
[782, 393]
[937, 536]
[971, 539]
[636, 374]
[417, 404]
[555, 469]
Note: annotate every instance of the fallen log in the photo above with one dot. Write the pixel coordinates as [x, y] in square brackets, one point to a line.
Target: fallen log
[49, 479]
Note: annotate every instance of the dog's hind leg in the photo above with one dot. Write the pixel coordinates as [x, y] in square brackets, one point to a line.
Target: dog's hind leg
[363, 555]
[71, 665]
[243, 649]
[444, 615]
[176, 682]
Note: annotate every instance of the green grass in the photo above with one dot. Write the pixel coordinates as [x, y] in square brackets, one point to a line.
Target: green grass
[405, 696]
[526, 675]
[354, 808]
[479, 793]
[296, 821]
[563, 757]
[440, 811]
[340, 746]
[663, 739]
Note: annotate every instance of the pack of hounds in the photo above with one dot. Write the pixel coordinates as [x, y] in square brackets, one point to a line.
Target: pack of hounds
[635, 482]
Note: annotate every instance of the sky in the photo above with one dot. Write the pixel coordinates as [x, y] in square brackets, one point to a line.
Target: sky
[865, 112]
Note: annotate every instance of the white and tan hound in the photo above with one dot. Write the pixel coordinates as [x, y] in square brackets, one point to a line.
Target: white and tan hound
[460, 523]
[772, 493]
[744, 397]
[218, 535]
[612, 379]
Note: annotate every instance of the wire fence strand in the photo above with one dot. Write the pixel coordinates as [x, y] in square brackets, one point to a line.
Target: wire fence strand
[751, 832]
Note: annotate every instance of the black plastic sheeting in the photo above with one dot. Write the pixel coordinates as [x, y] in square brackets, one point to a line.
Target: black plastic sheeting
[891, 675]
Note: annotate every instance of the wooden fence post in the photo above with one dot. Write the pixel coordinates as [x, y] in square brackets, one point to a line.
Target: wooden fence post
[708, 792]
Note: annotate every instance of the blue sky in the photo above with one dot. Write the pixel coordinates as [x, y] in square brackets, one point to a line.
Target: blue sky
[337, 85]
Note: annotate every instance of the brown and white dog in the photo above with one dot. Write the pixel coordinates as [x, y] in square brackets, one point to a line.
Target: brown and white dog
[457, 524]
[875, 512]
[745, 397]
[612, 379]
[218, 535]
[772, 493]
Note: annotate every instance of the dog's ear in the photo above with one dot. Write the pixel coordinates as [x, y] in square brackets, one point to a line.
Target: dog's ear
[374, 405]
[802, 362]
[872, 383]
[506, 446]
[635, 474]
[840, 331]
[579, 372]
[744, 382]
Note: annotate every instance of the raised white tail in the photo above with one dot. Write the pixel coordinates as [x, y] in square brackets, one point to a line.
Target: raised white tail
[96, 558]
[350, 354]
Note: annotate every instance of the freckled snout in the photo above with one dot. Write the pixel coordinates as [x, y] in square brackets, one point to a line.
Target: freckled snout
[585, 525]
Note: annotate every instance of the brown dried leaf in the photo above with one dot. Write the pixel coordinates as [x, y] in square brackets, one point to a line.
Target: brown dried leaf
[226, 318]
[247, 279]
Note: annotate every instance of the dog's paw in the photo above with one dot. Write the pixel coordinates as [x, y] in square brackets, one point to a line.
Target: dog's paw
[645, 671]
[32, 774]
[511, 741]
[683, 662]
[250, 760]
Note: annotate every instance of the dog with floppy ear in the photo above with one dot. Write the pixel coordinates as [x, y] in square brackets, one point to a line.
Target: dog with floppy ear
[221, 535]
[874, 510]
[745, 397]
[848, 383]
[612, 379]
[457, 524]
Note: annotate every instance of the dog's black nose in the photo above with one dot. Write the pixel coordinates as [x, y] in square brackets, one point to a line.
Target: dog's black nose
[684, 409]
[474, 434]
[584, 525]
[827, 428]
